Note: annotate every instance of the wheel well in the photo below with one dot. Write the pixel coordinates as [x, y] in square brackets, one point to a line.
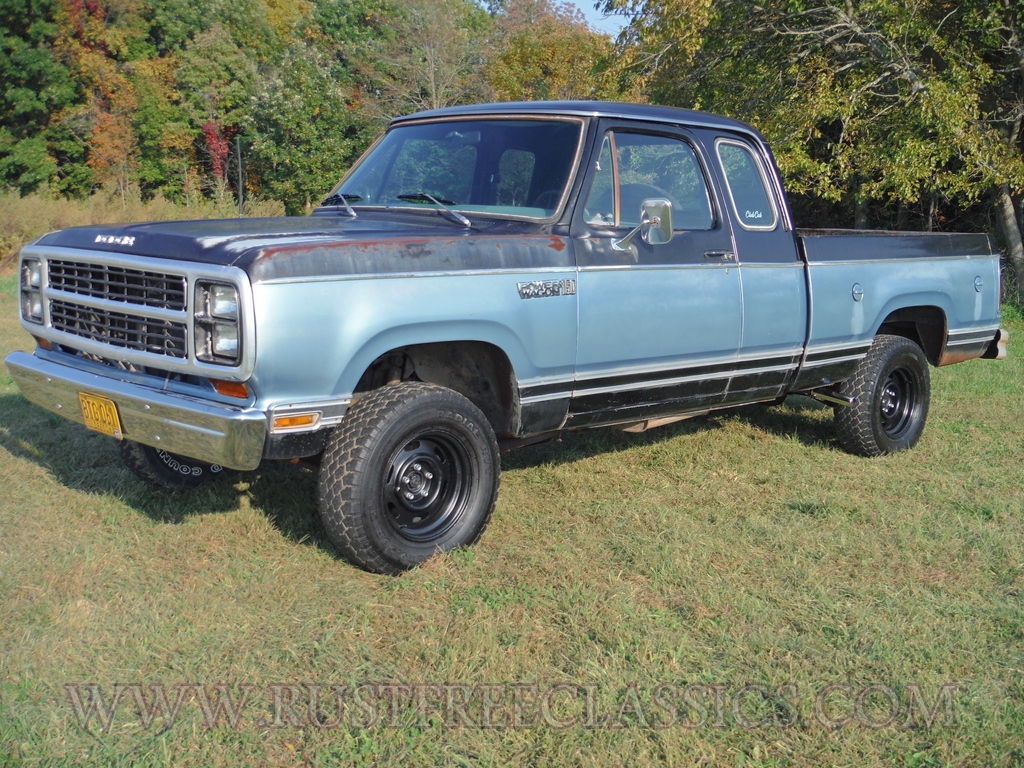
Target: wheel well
[477, 370]
[926, 326]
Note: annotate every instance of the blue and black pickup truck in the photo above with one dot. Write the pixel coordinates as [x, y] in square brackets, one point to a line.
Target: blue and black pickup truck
[484, 277]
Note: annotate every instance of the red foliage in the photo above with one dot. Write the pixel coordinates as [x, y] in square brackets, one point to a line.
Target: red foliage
[76, 13]
[219, 148]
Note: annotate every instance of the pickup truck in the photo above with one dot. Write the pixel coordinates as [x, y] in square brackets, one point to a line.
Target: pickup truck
[485, 277]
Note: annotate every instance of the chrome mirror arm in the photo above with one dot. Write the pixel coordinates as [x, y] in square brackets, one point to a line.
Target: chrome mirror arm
[623, 243]
[655, 224]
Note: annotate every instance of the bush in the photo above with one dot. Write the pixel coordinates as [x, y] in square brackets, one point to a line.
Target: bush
[24, 218]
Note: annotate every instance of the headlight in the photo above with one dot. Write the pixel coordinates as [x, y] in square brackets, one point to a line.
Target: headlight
[224, 302]
[225, 340]
[31, 274]
[217, 326]
[31, 298]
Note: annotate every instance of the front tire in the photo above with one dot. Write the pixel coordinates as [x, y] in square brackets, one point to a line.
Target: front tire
[412, 469]
[893, 390]
[169, 470]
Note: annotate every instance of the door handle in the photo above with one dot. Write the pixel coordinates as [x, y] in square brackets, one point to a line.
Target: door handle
[720, 255]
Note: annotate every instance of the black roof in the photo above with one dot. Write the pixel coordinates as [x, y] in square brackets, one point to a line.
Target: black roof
[588, 109]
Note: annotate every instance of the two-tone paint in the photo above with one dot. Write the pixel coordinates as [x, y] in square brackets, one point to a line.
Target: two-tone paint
[592, 335]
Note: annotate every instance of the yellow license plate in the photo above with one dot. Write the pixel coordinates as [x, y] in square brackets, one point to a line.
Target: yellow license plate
[100, 414]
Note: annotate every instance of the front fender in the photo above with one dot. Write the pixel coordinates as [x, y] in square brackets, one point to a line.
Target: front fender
[316, 338]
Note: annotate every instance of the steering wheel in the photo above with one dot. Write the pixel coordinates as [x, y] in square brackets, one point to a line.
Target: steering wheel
[551, 196]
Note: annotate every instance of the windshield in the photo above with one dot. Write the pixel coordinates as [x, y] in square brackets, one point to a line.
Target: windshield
[491, 166]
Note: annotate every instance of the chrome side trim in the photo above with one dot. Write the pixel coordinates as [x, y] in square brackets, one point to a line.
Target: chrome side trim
[725, 360]
[979, 329]
[212, 432]
[546, 381]
[544, 398]
[813, 350]
[832, 360]
[911, 260]
[979, 340]
[963, 337]
[421, 275]
[655, 267]
[658, 383]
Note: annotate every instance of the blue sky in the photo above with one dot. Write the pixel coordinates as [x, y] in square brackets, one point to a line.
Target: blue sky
[597, 19]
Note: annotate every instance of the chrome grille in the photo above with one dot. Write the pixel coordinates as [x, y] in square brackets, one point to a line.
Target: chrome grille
[160, 337]
[131, 286]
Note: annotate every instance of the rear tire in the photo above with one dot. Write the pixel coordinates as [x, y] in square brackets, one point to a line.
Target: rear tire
[893, 390]
[413, 469]
[169, 470]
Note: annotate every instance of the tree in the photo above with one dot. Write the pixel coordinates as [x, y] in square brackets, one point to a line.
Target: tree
[305, 128]
[433, 59]
[36, 86]
[912, 104]
[547, 51]
[215, 83]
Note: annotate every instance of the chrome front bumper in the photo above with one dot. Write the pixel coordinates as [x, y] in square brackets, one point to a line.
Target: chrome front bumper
[211, 432]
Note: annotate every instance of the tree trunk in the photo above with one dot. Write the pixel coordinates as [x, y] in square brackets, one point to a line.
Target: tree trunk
[933, 212]
[1007, 218]
[861, 216]
[902, 218]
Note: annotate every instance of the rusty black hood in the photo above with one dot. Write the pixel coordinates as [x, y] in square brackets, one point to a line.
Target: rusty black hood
[329, 245]
[236, 241]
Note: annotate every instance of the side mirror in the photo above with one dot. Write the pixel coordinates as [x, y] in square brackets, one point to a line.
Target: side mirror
[655, 224]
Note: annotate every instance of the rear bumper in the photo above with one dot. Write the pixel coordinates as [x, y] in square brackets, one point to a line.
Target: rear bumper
[211, 432]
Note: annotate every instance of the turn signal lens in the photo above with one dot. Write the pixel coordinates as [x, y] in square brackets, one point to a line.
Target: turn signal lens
[231, 388]
[295, 421]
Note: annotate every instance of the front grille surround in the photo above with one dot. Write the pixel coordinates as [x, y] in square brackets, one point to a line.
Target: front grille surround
[136, 311]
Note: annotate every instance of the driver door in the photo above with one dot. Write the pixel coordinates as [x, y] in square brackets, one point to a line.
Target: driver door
[659, 325]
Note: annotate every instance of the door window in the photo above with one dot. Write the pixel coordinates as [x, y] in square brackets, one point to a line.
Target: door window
[633, 167]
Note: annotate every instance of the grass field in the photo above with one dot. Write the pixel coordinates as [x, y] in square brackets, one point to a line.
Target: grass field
[682, 597]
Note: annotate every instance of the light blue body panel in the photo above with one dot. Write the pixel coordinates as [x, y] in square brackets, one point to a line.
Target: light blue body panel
[774, 308]
[638, 318]
[316, 338]
[948, 283]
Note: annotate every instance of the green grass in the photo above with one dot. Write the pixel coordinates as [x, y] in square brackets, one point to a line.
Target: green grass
[740, 548]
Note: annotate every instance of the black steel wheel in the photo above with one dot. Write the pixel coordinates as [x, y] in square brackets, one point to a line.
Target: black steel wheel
[893, 390]
[169, 471]
[426, 486]
[413, 469]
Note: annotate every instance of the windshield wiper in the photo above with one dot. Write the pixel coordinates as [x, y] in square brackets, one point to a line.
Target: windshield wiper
[343, 200]
[423, 197]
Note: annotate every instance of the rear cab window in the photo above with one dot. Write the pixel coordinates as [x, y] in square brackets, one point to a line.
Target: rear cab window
[747, 186]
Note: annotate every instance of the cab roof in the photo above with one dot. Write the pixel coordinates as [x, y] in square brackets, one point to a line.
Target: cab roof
[673, 115]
